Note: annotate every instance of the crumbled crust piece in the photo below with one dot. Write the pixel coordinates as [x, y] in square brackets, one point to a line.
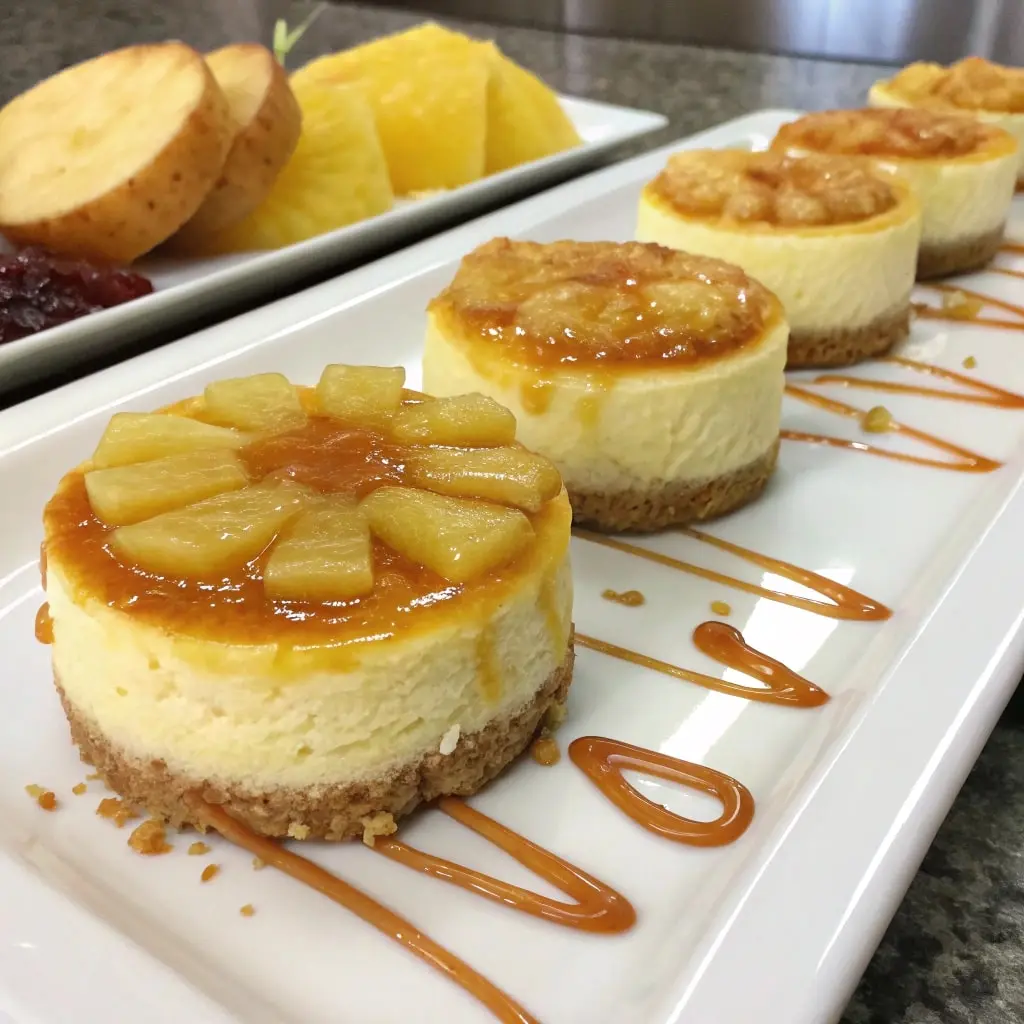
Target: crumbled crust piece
[150, 838]
[382, 824]
[774, 188]
[258, 864]
[296, 830]
[116, 810]
[555, 715]
[901, 134]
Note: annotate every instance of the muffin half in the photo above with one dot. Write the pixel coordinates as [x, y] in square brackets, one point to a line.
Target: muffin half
[310, 607]
[833, 237]
[651, 378]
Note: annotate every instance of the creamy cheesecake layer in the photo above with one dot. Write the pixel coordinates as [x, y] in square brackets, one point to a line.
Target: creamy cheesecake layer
[840, 277]
[631, 429]
[237, 719]
[881, 95]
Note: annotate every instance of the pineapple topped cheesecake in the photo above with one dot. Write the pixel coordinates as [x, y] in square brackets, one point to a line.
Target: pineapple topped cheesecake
[963, 172]
[834, 237]
[651, 378]
[989, 92]
[315, 607]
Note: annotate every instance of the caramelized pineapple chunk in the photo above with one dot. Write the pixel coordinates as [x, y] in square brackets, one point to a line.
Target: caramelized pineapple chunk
[211, 537]
[466, 420]
[512, 476]
[325, 556]
[368, 395]
[263, 402]
[127, 494]
[141, 436]
[454, 537]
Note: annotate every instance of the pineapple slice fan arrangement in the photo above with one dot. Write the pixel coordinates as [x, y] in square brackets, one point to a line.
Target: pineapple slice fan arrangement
[229, 153]
[202, 489]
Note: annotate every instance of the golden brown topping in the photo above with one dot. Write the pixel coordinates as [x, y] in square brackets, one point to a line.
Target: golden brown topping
[630, 598]
[903, 134]
[115, 810]
[198, 849]
[248, 910]
[877, 420]
[774, 188]
[603, 303]
[721, 608]
[79, 789]
[970, 363]
[381, 824]
[544, 750]
[209, 872]
[971, 84]
[150, 838]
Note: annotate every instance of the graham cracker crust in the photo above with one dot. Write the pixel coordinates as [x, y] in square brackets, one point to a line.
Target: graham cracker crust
[675, 503]
[329, 812]
[842, 346]
[958, 257]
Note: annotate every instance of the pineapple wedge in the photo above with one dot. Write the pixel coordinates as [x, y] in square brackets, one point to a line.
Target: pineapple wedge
[525, 120]
[465, 420]
[337, 175]
[511, 476]
[128, 494]
[142, 436]
[109, 158]
[456, 538]
[267, 122]
[212, 537]
[262, 402]
[326, 556]
[369, 395]
[428, 87]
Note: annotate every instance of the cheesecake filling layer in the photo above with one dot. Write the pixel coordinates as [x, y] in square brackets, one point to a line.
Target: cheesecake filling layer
[392, 703]
[826, 278]
[631, 430]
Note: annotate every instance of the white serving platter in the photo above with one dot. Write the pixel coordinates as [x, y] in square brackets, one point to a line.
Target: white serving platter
[188, 290]
[777, 926]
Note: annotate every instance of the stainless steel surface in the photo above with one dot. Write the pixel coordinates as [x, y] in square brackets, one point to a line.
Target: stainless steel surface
[893, 31]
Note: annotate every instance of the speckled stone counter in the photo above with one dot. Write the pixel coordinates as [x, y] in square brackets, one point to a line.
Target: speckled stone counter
[954, 953]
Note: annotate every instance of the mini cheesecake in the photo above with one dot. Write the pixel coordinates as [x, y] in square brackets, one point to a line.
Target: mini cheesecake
[962, 171]
[651, 378]
[990, 93]
[833, 237]
[312, 607]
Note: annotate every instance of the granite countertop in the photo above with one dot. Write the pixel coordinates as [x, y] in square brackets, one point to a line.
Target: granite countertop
[954, 953]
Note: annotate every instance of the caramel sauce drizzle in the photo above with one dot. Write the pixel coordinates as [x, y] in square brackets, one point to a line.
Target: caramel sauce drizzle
[966, 461]
[726, 645]
[597, 907]
[937, 313]
[603, 761]
[386, 921]
[846, 603]
[44, 624]
[983, 394]
[784, 685]
[1014, 247]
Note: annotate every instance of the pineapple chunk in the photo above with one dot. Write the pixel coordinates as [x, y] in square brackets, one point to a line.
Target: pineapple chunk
[141, 436]
[128, 494]
[525, 120]
[212, 537]
[512, 476]
[465, 420]
[456, 538]
[362, 394]
[326, 556]
[428, 87]
[263, 402]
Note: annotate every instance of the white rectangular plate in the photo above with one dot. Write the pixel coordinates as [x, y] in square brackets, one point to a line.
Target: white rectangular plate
[190, 289]
[848, 795]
